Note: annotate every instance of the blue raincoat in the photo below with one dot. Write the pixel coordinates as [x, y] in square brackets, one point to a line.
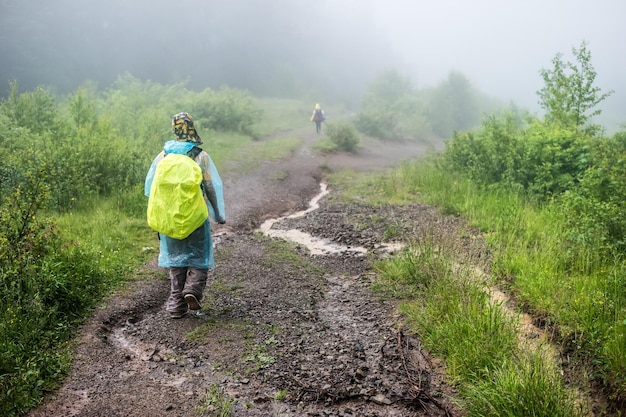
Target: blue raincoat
[196, 250]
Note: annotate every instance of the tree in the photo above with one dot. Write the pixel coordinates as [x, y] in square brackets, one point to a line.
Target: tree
[569, 95]
[454, 105]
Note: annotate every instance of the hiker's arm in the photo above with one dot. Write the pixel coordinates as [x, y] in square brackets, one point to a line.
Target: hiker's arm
[209, 192]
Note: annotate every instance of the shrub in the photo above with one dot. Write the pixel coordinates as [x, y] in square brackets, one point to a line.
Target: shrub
[596, 209]
[343, 135]
[453, 105]
[47, 286]
[555, 157]
[492, 155]
[543, 159]
[225, 110]
[391, 109]
[35, 110]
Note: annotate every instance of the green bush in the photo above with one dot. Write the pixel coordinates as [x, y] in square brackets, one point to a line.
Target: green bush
[570, 268]
[543, 160]
[596, 209]
[140, 112]
[492, 155]
[391, 109]
[343, 135]
[35, 110]
[47, 286]
[453, 105]
[228, 109]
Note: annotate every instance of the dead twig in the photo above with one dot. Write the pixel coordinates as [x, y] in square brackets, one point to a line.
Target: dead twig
[418, 393]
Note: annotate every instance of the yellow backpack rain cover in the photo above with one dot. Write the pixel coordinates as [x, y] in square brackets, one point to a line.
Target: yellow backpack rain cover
[176, 205]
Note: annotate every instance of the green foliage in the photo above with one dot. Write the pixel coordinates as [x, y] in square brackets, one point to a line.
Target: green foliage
[557, 257]
[140, 111]
[215, 403]
[596, 209]
[46, 288]
[413, 271]
[229, 110]
[542, 159]
[453, 105]
[391, 109]
[456, 320]
[82, 155]
[555, 158]
[526, 388]
[324, 146]
[492, 155]
[568, 268]
[35, 111]
[569, 95]
[24, 238]
[96, 146]
[82, 108]
[343, 135]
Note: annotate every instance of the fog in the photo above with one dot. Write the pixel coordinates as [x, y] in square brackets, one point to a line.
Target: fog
[502, 45]
[329, 49]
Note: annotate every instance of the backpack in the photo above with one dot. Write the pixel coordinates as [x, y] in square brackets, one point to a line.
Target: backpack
[319, 116]
[176, 205]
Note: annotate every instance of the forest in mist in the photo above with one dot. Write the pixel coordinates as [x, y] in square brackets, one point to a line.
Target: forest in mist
[324, 49]
[271, 47]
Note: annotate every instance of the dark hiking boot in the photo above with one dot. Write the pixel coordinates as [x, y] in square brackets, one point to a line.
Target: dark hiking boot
[192, 302]
[177, 314]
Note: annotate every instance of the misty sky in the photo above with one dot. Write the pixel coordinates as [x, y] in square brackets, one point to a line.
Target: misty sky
[502, 45]
[330, 47]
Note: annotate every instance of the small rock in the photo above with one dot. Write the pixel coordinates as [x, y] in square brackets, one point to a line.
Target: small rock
[381, 399]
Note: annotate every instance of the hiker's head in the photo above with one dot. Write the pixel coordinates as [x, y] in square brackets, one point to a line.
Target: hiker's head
[317, 106]
[182, 125]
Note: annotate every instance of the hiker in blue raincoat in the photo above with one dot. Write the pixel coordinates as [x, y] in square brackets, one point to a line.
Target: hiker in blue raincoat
[189, 259]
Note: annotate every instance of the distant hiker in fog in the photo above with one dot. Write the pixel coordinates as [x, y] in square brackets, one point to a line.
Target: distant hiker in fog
[185, 191]
[318, 117]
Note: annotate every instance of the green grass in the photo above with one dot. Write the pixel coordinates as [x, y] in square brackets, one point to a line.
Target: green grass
[281, 395]
[456, 320]
[325, 146]
[216, 403]
[565, 285]
[281, 115]
[243, 154]
[98, 249]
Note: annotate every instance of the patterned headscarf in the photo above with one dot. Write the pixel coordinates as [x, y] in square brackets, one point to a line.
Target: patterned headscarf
[182, 125]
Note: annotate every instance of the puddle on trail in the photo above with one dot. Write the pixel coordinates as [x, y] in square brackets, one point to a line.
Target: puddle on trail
[315, 245]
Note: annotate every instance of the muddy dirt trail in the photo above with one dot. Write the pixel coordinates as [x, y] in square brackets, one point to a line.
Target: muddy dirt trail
[282, 332]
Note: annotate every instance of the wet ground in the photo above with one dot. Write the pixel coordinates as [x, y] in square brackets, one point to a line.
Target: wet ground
[287, 329]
